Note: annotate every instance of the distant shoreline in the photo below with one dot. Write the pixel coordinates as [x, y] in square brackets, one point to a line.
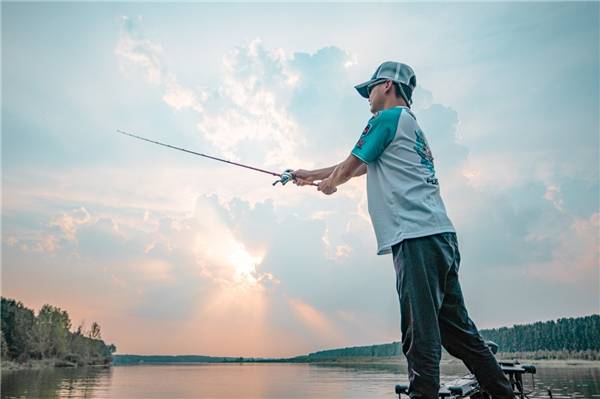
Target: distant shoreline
[379, 361]
[9, 366]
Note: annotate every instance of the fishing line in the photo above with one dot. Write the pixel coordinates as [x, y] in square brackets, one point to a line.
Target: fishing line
[284, 177]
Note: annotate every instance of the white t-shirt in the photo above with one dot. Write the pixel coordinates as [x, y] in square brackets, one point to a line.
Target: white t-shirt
[403, 192]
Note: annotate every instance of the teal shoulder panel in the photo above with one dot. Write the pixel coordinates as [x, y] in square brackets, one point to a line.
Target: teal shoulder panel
[377, 135]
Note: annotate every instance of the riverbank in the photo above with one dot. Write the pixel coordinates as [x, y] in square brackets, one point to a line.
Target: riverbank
[9, 365]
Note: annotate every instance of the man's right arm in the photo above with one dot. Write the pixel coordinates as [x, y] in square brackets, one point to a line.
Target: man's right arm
[304, 177]
[308, 176]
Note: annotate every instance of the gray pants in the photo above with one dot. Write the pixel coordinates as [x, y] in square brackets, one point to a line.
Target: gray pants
[433, 313]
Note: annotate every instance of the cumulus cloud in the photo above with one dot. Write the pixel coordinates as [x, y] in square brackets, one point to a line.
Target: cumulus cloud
[60, 231]
[68, 222]
[138, 53]
[180, 97]
[251, 115]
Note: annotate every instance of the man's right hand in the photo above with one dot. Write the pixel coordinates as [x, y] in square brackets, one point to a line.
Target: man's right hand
[303, 177]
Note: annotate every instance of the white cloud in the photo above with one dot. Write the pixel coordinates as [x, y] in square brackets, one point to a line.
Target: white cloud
[180, 97]
[139, 53]
[135, 51]
[255, 94]
[552, 194]
[69, 222]
[49, 243]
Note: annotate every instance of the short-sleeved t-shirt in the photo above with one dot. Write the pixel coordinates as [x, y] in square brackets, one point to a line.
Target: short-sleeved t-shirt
[403, 193]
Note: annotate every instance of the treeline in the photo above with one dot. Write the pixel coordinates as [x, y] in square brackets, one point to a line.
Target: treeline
[392, 349]
[566, 338]
[47, 335]
[578, 334]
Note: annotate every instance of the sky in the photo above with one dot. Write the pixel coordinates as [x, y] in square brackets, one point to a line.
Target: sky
[176, 254]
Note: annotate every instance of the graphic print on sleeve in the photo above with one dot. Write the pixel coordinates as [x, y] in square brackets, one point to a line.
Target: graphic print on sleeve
[361, 140]
[377, 135]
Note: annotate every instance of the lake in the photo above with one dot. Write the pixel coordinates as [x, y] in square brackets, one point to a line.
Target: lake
[259, 380]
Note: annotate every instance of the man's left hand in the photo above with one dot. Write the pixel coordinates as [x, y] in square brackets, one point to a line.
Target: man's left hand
[326, 187]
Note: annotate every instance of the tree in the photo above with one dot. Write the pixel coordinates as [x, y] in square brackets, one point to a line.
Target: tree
[51, 331]
[17, 323]
[48, 335]
[95, 331]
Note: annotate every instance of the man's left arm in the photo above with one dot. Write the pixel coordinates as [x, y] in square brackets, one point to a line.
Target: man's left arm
[341, 174]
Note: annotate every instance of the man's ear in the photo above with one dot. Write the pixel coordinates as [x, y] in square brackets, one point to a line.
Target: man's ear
[389, 85]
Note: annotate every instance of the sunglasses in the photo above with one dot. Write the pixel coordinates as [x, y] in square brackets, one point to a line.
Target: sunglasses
[375, 83]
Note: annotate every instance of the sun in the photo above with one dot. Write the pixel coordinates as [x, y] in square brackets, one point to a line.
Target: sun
[244, 263]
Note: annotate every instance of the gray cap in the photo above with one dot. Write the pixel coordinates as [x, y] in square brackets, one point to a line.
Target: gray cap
[394, 71]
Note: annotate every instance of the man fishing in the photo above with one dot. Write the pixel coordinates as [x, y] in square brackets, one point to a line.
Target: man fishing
[410, 221]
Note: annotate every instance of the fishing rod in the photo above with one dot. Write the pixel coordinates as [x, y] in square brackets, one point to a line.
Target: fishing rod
[284, 177]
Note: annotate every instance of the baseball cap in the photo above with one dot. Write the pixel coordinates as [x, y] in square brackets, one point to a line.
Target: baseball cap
[396, 72]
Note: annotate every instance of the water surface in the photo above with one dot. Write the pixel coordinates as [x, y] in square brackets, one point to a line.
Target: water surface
[262, 380]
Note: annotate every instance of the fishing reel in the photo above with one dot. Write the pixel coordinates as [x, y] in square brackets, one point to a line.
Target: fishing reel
[286, 176]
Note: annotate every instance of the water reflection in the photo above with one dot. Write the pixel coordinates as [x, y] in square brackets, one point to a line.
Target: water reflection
[55, 383]
[568, 382]
[261, 381]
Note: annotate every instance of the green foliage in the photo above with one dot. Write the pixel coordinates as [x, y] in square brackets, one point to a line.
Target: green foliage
[566, 334]
[566, 338]
[17, 326]
[51, 334]
[48, 336]
[392, 349]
